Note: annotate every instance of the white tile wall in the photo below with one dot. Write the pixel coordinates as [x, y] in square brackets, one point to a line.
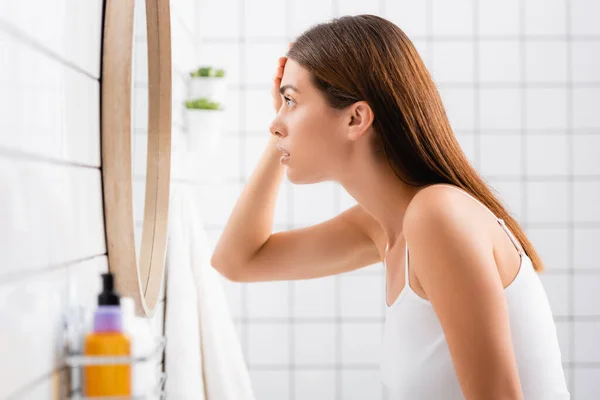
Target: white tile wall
[52, 237]
[519, 80]
[314, 344]
[316, 385]
[490, 51]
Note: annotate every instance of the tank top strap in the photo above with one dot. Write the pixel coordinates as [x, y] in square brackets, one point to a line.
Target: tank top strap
[406, 263]
[512, 237]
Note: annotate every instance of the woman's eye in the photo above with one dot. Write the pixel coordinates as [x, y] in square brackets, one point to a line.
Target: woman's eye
[288, 99]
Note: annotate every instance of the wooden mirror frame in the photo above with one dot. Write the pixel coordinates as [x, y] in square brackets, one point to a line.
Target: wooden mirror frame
[143, 282]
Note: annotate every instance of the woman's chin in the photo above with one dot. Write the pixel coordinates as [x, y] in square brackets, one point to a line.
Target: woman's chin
[297, 178]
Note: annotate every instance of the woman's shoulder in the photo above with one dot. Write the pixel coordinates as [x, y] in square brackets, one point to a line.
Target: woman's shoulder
[443, 207]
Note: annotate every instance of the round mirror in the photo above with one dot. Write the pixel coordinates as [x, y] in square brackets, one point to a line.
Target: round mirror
[136, 145]
[139, 120]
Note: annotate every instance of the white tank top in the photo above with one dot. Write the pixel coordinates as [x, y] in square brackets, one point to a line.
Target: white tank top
[416, 362]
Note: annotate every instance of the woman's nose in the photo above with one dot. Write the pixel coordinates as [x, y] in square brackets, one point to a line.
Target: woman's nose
[275, 129]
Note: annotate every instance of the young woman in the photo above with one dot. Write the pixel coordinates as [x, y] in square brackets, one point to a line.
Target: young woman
[466, 315]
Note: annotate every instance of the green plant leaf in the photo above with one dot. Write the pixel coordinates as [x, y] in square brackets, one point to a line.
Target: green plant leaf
[202, 104]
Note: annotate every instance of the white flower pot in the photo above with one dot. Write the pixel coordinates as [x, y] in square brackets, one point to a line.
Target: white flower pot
[214, 89]
[204, 129]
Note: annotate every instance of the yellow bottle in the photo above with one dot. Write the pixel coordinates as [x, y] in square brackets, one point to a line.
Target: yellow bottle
[107, 340]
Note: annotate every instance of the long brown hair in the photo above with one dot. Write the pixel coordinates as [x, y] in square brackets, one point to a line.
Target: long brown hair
[366, 57]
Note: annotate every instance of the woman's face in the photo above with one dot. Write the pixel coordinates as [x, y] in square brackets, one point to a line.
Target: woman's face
[309, 130]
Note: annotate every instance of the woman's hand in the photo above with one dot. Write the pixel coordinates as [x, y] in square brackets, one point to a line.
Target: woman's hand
[277, 100]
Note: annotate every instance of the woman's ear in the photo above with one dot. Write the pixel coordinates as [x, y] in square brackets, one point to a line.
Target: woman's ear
[360, 119]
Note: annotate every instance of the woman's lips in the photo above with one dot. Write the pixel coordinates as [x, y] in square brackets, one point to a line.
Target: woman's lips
[286, 154]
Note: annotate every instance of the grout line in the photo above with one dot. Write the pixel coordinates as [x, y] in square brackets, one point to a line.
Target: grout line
[524, 217]
[476, 88]
[445, 38]
[10, 278]
[56, 373]
[21, 155]
[477, 84]
[570, 196]
[32, 43]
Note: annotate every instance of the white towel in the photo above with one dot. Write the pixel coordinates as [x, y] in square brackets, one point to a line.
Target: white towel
[222, 373]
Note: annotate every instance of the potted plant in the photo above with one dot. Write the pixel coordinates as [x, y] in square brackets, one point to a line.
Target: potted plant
[208, 82]
[204, 122]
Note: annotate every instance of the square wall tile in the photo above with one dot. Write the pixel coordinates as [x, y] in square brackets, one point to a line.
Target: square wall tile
[467, 144]
[586, 383]
[563, 331]
[217, 20]
[313, 203]
[545, 17]
[361, 385]
[254, 147]
[270, 384]
[498, 17]
[233, 293]
[501, 155]
[585, 61]
[586, 341]
[452, 61]
[545, 108]
[546, 155]
[315, 298]
[511, 195]
[585, 252]
[410, 16]
[361, 343]
[268, 344]
[31, 311]
[221, 55]
[315, 344]
[261, 61]
[268, 299]
[452, 18]
[320, 11]
[460, 107]
[356, 7]
[227, 161]
[499, 61]
[584, 19]
[233, 115]
[586, 291]
[546, 61]
[260, 24]
[258, 107]
[552, 246]
[586, 154]
[314, 385]
[500, 108]
[217, 201]
[586, 201]
[557, 290]
[362, 296]
[424, 48]
[547, 202]
[585, 108]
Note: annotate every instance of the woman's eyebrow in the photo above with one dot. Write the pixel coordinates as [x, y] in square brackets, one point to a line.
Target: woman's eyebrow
[284, 87]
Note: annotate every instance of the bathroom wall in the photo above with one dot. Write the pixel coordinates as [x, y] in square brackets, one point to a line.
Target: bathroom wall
[521, 83]
[52, 238]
